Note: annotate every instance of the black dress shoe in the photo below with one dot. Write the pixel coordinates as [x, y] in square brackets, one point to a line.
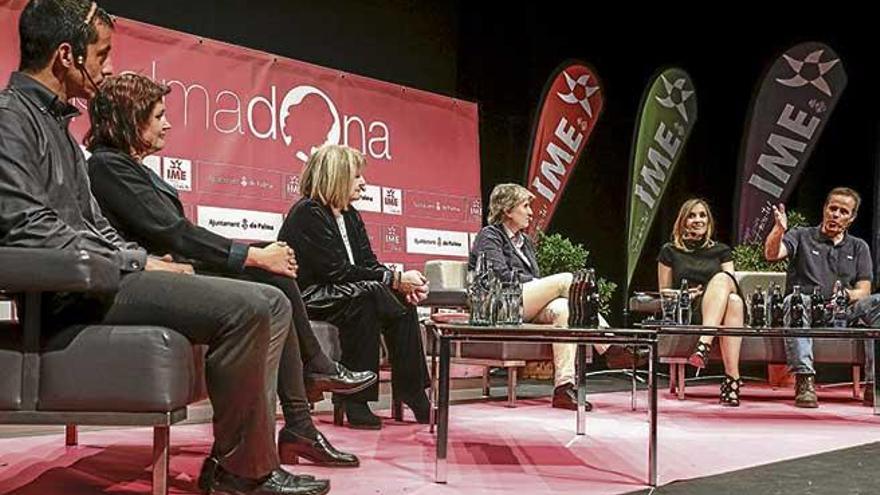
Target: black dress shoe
[343, 382]
[279, 482]
[292, 446]
[565, 397]
[360, 417]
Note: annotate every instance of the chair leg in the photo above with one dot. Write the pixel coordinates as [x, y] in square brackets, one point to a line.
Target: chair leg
[338, 414]
[680, 380]
[857, 381]
[511, 386]
[160, 459]
[486, 389]
[397, 410]
[71, 435]
[673, 377]
[633, 383]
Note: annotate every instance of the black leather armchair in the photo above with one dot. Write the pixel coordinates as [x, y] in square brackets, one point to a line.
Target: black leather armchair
[90, 374]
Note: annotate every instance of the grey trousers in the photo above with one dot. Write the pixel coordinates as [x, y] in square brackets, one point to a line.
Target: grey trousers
[245, 326]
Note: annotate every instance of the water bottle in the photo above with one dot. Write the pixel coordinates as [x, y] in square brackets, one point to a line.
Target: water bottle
[684, 304]
[591, 300]
[574, 309]
[513, 300]
[796, 308]
[478, 292]
[758, 314]
[777, 307]
[817, 309]
[839, 302]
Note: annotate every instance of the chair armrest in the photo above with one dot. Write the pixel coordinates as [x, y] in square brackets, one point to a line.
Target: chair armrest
[55, 270]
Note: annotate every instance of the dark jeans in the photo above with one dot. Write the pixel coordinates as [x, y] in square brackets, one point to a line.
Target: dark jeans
[245, 326]
[363, 311]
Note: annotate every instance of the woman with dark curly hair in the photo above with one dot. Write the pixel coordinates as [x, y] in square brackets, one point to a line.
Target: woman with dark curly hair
[129, 123]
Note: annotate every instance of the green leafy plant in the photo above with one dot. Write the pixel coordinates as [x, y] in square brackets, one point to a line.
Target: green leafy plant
[557, 254]
[750, 257]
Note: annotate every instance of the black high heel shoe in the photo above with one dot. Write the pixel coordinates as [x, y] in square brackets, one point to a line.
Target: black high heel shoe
[292, 446]
[700, 357]
[360, 417]
[730, 391]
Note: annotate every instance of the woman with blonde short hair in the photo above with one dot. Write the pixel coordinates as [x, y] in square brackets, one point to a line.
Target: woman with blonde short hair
[343, 283]
[545, 299]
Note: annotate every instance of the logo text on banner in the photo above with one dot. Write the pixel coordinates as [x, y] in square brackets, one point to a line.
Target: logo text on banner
[570, 105]
[668, 113]
[788, 115]
[437, 242]
[240, 224]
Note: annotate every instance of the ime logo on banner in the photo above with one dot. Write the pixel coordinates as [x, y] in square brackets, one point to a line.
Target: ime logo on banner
[178, 173]
[392, 201]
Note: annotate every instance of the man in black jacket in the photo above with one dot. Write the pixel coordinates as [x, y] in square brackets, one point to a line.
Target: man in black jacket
[45, 203]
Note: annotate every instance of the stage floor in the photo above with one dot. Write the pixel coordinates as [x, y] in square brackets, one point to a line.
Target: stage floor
[493, 449]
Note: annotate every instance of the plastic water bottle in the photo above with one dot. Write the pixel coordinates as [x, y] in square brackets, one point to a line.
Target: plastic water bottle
[817, 309]
[839, 301]
[684, 304]
[796, 308]
[777, 307]
[758, 315]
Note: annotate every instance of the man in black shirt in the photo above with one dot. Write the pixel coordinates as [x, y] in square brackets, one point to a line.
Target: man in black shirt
[819, 257]
[45, 202]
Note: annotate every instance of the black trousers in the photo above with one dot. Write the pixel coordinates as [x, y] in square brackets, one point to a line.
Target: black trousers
[363, 311]
[245, 326]
[302, 351]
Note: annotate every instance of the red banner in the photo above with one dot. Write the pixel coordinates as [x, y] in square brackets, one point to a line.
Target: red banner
[570, 105]
[244, 122]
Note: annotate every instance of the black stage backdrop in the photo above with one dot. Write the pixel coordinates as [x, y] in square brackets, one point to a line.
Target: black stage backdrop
[500, 54]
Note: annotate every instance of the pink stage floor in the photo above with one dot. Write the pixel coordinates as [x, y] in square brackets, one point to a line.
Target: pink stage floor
[493, 450]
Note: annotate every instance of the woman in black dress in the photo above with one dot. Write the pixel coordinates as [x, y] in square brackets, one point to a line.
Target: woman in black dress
[707, 265]
[345, 284]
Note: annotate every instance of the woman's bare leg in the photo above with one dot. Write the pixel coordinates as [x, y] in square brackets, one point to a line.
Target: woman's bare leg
[730, 346]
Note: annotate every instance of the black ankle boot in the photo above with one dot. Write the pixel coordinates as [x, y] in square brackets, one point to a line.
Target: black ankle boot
[420, 407]
[360, 416]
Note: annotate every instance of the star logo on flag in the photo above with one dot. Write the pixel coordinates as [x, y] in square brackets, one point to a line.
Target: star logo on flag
[811, 70]
[676, 95]
[573, 86]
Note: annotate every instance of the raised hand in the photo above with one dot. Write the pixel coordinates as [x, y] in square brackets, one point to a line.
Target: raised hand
[780, 218]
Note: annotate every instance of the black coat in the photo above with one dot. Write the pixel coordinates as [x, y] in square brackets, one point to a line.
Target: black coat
[493, 240]
[311, 229]
[147, 210]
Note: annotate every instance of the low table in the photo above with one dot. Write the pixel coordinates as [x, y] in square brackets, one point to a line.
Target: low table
[443, 334]
[854, 333]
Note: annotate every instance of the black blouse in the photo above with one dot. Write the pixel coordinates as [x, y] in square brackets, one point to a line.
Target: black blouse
[697, 265]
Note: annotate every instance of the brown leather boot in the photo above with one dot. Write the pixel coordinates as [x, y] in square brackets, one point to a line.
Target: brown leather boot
[805, 391]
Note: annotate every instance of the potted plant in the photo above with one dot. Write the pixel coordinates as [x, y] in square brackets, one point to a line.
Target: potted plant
[557, 254]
